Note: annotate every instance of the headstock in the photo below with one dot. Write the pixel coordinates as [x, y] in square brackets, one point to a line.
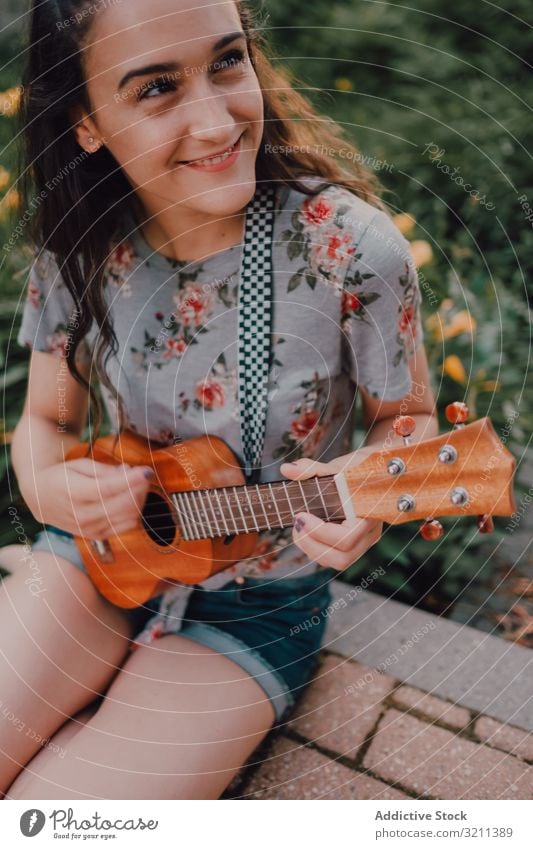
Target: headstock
[467, 471]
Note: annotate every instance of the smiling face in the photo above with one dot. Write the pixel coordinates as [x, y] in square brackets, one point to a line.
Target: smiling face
[169, 84]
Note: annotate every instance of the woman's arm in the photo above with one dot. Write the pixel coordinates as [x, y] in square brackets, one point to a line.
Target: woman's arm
[86, 498]
[378, 416]
[52, 421]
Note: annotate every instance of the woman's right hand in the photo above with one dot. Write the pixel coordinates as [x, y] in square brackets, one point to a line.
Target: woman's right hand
[91, 499]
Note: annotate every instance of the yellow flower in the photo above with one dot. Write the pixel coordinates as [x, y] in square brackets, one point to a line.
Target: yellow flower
[422, 252]
[10, 101]
[4, 178]
[343, 84]
[8, 203]
[453, 367]
[462, 322]
[404, 222]
[489, 386]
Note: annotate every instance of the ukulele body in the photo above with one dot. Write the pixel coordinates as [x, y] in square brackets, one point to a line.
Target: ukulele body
[130, 568]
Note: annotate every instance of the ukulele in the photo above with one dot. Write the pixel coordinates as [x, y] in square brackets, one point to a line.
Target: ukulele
[200, 517]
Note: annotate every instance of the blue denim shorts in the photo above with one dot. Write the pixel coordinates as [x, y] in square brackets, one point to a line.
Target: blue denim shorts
[272, 628]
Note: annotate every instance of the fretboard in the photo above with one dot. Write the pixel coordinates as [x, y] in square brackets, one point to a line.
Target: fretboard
[233, 510]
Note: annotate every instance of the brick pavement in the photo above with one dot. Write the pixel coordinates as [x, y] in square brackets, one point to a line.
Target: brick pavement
[359, 734]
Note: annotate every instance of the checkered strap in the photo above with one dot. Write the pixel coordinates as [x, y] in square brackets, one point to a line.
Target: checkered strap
[255, 310]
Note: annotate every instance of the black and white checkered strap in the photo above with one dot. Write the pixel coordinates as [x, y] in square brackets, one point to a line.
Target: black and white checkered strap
[255, 311]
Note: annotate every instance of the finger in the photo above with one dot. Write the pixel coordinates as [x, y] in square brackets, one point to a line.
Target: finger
[88, 489]
[304, 468]
[344, 535]
[92, 468]
[324, 555]
[307, 468]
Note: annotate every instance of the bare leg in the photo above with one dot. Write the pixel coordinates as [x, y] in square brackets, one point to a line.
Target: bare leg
[56, 748]
[61, 644]
[177, 723]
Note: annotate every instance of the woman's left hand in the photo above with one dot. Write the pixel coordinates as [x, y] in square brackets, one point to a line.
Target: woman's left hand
[329, 543]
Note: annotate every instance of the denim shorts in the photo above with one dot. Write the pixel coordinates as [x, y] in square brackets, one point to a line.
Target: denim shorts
[272, 628]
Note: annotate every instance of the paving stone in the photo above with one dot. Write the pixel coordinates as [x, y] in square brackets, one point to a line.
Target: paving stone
[506, 737]
[455, 662]
[431, 761]
[409, 697]
[291, 771]
[342, 705]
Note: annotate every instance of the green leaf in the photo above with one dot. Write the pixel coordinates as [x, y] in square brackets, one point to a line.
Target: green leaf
[295, 281]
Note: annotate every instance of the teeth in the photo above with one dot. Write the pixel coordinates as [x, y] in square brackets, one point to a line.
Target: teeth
[216, 159]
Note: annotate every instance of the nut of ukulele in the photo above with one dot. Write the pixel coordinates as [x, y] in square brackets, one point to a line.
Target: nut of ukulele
[485, 523]
[431, 530]
[457, 413]
[404, 426]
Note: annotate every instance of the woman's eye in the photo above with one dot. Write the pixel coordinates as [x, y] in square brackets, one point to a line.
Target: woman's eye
[231, 60]
[153, 86]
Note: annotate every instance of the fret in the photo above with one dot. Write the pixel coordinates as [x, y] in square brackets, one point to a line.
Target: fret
[194, 499]
[182, 512]
[306, 506]
[291, 511]
[260, 497]
[326, 514]
[243, 517]
[252, 511]
[208, 524]
[215, 520]
[228, 532]
[281, 525]
[187, 499]
[232, 514]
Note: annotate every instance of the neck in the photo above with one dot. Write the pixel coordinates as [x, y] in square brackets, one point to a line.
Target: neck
[184, 235]
[245, 509]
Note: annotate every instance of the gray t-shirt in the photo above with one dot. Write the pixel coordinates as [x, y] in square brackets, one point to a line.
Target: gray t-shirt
[346, 312]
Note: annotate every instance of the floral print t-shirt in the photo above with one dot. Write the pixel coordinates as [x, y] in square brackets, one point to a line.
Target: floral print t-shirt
[346, 313]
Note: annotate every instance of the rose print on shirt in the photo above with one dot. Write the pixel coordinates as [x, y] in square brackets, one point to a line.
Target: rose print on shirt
[319, 237]
[119, 265]
[408, 318]
[213, 392]
[307, 427]
[194, 305]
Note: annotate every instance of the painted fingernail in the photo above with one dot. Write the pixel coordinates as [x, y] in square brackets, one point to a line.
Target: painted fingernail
[299, 524]
[148, 473]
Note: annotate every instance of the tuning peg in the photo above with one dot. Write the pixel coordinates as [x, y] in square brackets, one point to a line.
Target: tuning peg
[457, 413]
[485, 523]
[431, 530]
[404, 426]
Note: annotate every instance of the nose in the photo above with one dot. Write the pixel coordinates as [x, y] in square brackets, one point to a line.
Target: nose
[207, 113]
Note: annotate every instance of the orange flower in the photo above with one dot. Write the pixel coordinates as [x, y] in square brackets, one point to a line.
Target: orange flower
[453, 367]
[10, 101]
[404, 222]
[422, 252]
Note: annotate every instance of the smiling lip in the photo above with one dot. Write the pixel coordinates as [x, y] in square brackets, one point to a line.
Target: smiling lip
[209, 165]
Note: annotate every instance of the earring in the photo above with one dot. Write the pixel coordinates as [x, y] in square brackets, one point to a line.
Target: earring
[92, 142]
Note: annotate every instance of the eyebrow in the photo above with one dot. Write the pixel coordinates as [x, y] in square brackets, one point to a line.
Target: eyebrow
[162, 67]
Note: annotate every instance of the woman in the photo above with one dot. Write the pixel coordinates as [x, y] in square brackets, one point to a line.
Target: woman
[150, 134]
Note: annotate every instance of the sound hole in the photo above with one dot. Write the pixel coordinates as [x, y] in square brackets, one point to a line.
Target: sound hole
[158, 520]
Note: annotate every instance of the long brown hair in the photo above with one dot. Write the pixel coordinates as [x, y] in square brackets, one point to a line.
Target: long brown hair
[76, 221]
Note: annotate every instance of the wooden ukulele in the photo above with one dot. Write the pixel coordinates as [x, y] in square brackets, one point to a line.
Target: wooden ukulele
[199, 516]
